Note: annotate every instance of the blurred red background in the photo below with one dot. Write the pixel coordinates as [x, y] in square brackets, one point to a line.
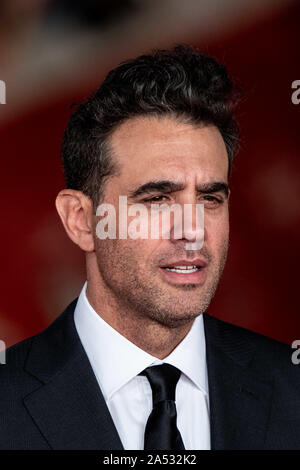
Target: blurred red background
[42, 271]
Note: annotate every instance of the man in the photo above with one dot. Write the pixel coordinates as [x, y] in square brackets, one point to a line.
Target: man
[135, 362]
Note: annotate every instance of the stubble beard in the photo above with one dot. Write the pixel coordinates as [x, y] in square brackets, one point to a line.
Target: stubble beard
[170, 306]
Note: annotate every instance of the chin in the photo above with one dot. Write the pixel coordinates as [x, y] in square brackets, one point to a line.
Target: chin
[176, 317]
[177, 321]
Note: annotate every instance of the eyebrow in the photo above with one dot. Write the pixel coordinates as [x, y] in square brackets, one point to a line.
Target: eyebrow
[166, 186]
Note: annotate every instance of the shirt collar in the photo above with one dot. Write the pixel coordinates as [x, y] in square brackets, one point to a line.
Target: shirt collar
[116, 360]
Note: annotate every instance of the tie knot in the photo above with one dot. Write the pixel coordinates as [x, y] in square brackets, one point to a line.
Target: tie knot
[163, 380]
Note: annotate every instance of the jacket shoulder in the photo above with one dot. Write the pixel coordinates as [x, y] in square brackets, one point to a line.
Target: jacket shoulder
[247, 346]
[16, 355]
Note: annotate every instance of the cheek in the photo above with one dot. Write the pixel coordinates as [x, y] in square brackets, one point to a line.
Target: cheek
[121, 257]
[216, 230]
[114, 261]
[140, 253]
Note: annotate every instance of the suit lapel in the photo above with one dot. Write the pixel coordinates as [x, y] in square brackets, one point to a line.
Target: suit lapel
[68, 407]
[70, 411]
[240, 400]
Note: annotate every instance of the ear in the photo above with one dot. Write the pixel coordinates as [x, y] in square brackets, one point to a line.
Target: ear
[76, 212]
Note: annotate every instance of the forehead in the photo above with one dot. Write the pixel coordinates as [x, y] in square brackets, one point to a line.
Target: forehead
[147, 147]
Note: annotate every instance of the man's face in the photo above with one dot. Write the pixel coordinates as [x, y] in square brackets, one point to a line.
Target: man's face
[150, 149]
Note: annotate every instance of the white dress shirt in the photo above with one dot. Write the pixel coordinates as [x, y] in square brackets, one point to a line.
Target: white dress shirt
[116, 363]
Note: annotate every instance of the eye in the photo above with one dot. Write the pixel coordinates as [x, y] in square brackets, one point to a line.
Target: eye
[157, 199]
[212, 201]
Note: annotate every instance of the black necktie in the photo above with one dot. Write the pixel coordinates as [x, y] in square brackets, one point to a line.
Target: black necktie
[161, 431]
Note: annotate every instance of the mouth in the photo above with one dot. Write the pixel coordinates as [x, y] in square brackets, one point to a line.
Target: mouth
[185, 272]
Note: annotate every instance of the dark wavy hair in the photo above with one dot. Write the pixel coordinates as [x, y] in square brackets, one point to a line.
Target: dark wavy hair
[181, 83]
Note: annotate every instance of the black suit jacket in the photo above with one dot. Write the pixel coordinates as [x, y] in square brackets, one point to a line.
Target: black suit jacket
[50, 398]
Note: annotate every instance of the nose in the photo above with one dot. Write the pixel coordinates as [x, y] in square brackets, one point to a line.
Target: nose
[193, 216]
[190, 226]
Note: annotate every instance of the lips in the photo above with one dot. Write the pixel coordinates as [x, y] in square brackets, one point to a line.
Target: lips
[185, 271]
[184, 263]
